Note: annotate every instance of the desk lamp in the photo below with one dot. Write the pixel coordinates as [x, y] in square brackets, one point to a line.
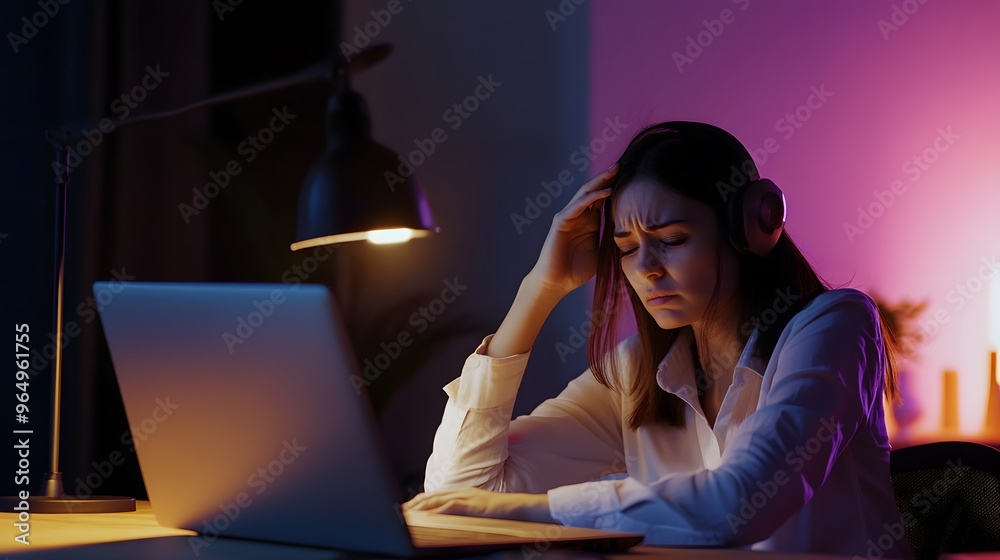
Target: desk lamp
[342, 200]
[357, 190]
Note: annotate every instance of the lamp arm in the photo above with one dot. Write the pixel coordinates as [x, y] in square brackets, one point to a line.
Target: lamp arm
[322, 72]
[317, 73]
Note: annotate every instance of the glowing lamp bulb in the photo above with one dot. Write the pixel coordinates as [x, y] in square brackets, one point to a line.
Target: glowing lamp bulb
[384, 236]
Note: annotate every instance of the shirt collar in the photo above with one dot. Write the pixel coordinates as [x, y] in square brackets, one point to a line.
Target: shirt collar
[675, 374]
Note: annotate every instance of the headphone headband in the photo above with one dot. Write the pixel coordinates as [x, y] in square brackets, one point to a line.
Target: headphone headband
[755, 207]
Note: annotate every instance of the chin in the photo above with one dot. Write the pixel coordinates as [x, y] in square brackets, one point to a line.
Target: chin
[670, 318]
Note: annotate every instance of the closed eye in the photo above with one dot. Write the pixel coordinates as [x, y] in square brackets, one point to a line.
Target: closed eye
[674, 242]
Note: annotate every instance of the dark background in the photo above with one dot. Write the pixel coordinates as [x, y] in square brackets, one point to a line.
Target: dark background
[123, 217]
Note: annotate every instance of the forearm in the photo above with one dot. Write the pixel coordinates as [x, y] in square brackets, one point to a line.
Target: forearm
[524, 320]
[470, 445]
[537, 509]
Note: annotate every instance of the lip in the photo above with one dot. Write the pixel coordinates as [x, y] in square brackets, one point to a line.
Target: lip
[660, 298]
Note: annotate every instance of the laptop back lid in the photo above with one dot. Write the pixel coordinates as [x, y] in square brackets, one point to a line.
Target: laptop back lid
[244, 417]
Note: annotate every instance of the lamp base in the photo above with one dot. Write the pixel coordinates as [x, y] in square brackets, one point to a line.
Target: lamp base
[67, 504]
[52, 499]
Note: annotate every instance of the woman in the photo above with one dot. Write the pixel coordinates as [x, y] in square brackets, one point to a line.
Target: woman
[746, 411]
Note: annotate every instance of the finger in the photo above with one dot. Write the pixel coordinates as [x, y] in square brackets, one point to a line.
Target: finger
[415, 502]
[408, 504]
[424, 500]
[588, 202]
[598, 182]
[449, 506]
[458, 506]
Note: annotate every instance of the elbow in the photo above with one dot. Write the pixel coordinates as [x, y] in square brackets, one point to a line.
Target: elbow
[438, 478]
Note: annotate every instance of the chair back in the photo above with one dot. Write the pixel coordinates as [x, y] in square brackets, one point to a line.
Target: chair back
[948, 495]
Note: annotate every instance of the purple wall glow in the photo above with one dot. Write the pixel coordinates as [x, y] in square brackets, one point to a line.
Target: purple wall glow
[854, 99]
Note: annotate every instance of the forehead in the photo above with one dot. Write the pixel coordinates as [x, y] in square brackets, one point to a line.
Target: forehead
[650, 202]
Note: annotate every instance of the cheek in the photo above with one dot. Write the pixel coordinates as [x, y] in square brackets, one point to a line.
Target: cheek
[628, 269]
[695, 273]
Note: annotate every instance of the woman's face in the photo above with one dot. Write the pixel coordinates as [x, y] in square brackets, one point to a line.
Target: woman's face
[669, 245]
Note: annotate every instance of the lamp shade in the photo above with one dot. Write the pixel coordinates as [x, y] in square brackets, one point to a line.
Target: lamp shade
[358, 190]
[353, 192]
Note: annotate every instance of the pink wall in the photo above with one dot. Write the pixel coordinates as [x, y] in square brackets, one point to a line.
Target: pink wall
[890, 93]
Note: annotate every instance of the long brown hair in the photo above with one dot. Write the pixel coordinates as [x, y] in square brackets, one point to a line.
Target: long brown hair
[707, 164]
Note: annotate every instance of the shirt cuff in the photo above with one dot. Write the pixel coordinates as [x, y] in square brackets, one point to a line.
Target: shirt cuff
[579, 505]
[600, 504]
[487, 382]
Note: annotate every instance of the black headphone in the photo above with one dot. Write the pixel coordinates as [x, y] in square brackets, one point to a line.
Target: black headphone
[755, 207]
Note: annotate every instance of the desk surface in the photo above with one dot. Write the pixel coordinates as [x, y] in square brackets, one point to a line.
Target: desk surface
[132, 535]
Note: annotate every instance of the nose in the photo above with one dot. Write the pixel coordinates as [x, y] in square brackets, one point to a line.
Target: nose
[650, 263]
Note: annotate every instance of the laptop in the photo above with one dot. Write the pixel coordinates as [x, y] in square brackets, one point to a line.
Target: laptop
[247, 424]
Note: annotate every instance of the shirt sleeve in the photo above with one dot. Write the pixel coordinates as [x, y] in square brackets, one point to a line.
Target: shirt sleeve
[828, 377]
[571, 438]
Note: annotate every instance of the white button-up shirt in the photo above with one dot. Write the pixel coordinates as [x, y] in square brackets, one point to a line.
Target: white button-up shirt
[798, 458]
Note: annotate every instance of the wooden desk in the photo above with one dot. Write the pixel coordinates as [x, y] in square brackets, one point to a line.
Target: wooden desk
[51, 530]
[136, 535]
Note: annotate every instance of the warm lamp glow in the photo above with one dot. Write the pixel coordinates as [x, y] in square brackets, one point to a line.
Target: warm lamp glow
[384, 236]
[375, 236]
[994, 318]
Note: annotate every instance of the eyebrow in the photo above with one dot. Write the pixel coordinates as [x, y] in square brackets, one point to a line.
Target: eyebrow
[655, 227]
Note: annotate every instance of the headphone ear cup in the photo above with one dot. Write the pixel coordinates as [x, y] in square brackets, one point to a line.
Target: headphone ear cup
[763, 216]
